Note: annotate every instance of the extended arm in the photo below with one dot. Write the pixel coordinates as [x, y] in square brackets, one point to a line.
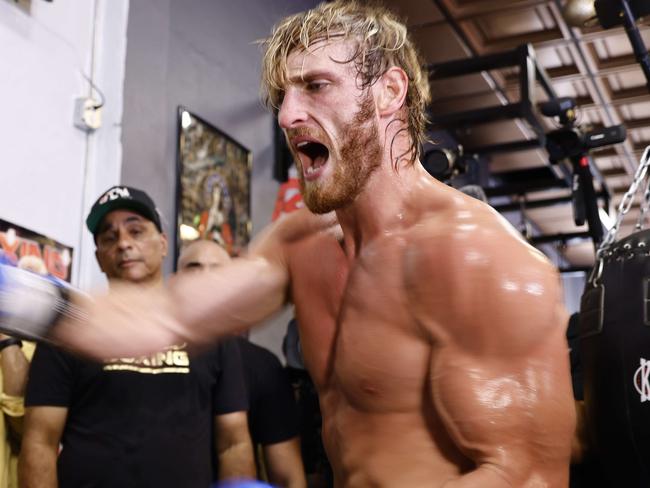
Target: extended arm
[197, 308]
[500, 374]
[40, 447]
[234, 446]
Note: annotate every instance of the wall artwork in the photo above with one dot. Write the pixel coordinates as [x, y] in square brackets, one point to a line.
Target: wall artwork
[214, 180]
[33, 251]
[26, 5]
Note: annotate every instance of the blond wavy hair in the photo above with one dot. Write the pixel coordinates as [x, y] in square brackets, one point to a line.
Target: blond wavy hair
[382, 41]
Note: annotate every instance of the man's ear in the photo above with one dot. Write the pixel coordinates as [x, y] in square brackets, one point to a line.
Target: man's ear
[393, 86]
[99, 262]
[164, 243]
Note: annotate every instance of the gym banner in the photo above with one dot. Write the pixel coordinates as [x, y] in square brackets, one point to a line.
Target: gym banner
[29, 250]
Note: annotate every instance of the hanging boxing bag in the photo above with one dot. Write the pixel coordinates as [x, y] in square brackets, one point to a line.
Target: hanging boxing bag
[615, 348]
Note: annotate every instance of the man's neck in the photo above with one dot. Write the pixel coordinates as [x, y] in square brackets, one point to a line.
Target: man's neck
[381, 208]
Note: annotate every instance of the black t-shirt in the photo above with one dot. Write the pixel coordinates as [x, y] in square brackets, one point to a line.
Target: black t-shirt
[273, 414]
[138, 422]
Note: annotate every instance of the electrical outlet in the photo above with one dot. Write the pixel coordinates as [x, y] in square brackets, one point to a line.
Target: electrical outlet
[87, 114]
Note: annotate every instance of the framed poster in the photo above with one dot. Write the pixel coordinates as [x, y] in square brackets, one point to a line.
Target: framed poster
[33, 251]
[26, 5]
[214, 180]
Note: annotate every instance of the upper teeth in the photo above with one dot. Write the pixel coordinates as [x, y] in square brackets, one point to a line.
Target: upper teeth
[303, 143]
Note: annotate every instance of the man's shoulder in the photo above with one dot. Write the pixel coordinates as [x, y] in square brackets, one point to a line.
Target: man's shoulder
[299, 229]
[466, 232]
[303, 223]
[466, 269]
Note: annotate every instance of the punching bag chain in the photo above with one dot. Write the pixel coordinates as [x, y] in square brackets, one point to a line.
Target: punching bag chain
[645, 205]
[626, 202]
[623, 208]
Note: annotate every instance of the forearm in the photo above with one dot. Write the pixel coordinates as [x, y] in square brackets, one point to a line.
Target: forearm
[288, 479]
[237, 461]
[297, 482]
[37, 466]
[284, 464]
[14, 366]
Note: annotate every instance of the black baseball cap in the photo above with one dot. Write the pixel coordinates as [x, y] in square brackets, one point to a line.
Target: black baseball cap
[122, 198]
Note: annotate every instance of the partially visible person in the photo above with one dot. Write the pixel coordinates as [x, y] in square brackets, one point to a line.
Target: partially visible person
[317, 467]
[14, 367]
[155, 420]
[273, 415]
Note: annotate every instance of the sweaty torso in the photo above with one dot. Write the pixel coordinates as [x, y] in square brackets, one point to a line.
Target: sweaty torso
[370, 362]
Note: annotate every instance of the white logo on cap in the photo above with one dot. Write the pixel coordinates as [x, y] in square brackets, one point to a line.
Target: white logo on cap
[642, 380]
[114, 194]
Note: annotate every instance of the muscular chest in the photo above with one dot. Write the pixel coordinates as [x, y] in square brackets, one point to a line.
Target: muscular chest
[357, 332]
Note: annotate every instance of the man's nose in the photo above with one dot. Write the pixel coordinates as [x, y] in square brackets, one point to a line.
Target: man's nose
[292, 110]
[124, 240]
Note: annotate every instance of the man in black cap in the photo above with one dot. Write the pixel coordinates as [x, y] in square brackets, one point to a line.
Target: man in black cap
[134, 422]
[130, 211]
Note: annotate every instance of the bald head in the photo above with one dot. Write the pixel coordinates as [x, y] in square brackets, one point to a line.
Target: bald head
[202, 255]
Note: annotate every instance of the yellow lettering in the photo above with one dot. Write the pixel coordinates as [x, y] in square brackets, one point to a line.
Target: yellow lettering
[181, 358]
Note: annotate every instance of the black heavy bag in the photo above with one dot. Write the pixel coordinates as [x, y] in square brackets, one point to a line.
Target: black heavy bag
[615, 349]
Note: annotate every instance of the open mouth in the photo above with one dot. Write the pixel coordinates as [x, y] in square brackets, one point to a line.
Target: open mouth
[313, 156]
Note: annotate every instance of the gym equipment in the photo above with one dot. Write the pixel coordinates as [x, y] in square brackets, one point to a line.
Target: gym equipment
[615, 346]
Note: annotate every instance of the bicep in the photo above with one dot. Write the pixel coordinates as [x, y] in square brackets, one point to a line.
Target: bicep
[237, 296]
[501, 380]
[499, 370]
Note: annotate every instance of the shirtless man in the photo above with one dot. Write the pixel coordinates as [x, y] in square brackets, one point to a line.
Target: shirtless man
[434, 334]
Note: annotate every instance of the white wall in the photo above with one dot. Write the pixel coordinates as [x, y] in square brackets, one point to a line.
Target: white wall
[48, 166]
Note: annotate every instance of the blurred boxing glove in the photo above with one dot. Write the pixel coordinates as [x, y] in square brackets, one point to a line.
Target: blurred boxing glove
[30, 304]
[241, 484]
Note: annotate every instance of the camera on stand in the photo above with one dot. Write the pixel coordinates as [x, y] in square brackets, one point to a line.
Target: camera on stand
[570, 143]
[444, 163]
